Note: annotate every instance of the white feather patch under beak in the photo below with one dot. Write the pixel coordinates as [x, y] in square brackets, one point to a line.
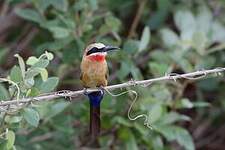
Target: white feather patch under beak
[99, 53]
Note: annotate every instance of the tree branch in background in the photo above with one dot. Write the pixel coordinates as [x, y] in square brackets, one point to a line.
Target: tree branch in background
[136, 18]
[11, 19]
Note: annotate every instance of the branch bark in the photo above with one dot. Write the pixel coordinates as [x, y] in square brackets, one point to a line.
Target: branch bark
[66, 93]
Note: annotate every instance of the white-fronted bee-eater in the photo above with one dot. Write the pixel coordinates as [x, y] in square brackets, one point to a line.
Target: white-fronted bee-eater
[94, 73]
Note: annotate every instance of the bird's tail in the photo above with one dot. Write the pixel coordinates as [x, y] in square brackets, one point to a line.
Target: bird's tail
[95, 122]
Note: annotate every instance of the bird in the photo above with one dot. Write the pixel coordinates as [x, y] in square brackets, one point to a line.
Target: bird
[94, 74]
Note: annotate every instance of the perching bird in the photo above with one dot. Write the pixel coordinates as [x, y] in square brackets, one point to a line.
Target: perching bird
[94, 72]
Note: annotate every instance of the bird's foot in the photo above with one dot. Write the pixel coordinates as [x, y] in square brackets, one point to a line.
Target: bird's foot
[85, 91]
[102, 89]
[64, 93]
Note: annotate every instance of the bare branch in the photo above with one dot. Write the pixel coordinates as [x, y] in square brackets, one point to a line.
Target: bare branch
[15, 104]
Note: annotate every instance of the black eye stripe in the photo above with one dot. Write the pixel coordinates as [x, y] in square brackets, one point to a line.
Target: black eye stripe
[94, 50]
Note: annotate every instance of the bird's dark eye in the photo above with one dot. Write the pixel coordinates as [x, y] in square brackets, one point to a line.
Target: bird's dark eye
[93, 50]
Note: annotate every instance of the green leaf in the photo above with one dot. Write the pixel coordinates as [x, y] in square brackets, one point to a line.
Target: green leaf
[183, 63]
[60, 4]
[113, 23]
[93, 4]
[127, 136]
[179, 134]
[155, 113]
[173, 117]
[169, 37]
[161, 93]
[68, 55]
[32, 60]
[131, 46]
[184, 103]
[206, 62]
[104, 29]
[80, 5]
[157, 19]
[10, 139]
[122, 121]
[218, 32]
[209, 85]
[42, 63]
[49, 55]
[123, 133]
[49, 84]
[3, 53]
[199, 41]
[204, 19]
[131, 144]
[31, 116]
[44, 74]
[3, 144]
[159, 69]
[29, 82]
[32, 72]
[15, 74]
[124, 70]
[70, 23]
[29, 14]
[13, 119]
[201, 104]
[145, 39]
[22, 65]
[34, 92]
[56, 45]
[161, 56]
[141, 129]
[59, 32]
[157, 143]
[42, 5]
[184, 138]
[38, 68]
[163, 4]
[135, 71]
[57, 108]
[186, 26]
[3, 93]
[168, 132]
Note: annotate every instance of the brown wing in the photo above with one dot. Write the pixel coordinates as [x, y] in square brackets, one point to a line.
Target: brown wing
[107, 74]
[83, 79]
[81, 76]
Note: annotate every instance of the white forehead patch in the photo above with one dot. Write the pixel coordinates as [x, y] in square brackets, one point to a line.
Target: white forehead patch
[98, 45]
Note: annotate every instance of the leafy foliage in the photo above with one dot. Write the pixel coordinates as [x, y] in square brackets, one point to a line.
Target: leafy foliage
[169, 36]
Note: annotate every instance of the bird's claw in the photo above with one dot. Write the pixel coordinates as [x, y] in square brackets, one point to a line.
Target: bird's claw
[64, 94]
[85, 91]
[102, 89]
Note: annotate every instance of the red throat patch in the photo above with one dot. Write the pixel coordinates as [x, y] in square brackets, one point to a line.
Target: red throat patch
[98, 58]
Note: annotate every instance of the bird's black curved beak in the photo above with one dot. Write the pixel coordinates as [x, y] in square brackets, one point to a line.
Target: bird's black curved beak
[110, 48]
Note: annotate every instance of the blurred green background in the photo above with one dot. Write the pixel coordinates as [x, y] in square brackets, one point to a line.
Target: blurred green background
[155, 36]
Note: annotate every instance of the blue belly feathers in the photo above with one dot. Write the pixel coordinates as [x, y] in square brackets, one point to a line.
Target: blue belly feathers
[95, 98]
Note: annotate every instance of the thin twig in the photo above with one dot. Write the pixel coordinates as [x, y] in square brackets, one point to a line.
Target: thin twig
[4, 9]
[216, 48]
[66, 93]
[41, 138]
[137, 18]
[11, 19]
